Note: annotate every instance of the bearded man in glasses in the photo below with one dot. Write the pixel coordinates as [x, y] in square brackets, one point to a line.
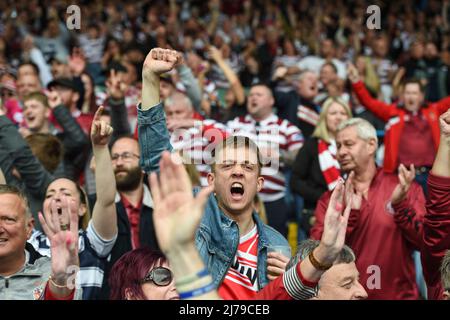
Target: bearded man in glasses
[134, 204]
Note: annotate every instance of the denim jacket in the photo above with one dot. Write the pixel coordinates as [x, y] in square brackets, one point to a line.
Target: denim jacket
[217, 238]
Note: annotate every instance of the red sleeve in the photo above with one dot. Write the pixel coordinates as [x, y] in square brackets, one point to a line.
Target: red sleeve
[273, 291]
[443, 105]
[436, 230]
[49, 296]
[409, 215]
[321, 209]
[379, 108]
[276, 290]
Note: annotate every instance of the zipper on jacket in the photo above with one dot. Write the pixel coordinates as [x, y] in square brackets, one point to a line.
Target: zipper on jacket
[7, 283]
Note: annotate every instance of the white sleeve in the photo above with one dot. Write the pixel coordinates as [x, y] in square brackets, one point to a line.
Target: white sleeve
[101, 246]
[44, 70]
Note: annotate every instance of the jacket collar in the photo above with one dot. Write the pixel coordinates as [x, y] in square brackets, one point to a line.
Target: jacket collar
[146, 199]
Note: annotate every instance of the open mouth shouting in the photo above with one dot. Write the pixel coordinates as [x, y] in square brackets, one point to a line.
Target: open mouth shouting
[237, 191]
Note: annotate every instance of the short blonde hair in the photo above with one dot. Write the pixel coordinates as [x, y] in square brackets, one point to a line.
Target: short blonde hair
[321, 130]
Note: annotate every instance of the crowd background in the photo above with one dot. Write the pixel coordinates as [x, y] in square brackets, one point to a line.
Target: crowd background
[227, 47]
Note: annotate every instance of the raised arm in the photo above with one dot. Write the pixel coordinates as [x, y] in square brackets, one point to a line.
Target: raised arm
[436, 224]
[64, 249]
[74, 141]
[176, 217]
[2, 177]
[154, 137]
[116, 100]
[33, 174]
[379, 108]
[104, 217]
[231, 76]
[157, 62]
[441, 163]
[300, 282]
[408, 204]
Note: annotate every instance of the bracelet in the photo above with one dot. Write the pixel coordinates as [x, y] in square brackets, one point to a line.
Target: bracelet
[316, 264]
[55, 284]
[197, 292]
[188, 279]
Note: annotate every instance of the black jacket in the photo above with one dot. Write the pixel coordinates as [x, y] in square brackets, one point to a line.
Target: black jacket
[287, 104]
[147, 237]
[75, 142]
[307, 179]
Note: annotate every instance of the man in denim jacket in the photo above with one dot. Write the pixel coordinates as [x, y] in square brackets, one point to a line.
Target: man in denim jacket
[229, 213]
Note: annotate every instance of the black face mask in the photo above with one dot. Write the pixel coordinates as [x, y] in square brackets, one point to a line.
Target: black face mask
[131, 180]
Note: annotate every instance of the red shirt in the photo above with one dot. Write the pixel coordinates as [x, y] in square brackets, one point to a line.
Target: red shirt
[49, 296]
[394, 116]
[436, 233]
[276, 289]
[241, 281]
[134, 216]
[416, 142]
[382, 240]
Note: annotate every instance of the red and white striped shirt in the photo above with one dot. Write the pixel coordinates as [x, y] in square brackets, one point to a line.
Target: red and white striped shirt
[196, 143]
[241, 280]
[273, 134]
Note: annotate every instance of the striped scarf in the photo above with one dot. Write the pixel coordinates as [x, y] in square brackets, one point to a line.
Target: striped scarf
[328, 163]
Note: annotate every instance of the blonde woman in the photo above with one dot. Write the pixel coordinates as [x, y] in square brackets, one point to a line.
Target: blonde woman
[316, 169]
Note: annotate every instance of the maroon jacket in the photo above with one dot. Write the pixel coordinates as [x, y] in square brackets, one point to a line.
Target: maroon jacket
[436, 233]
[382, 238]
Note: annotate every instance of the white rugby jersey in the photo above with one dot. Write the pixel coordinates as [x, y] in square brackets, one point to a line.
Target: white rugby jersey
[196, 143]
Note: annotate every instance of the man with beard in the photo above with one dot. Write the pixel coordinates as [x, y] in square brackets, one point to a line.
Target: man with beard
[134, 204]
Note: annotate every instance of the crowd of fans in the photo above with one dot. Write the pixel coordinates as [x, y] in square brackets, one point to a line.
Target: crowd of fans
[287, 119]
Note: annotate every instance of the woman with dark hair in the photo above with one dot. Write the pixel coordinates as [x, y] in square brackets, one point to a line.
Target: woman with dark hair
[97, 235]
[89, 101]
[142, 274]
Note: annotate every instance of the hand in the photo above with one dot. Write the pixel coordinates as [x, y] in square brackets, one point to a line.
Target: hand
[115, 87]
[335, 223]
[100, 131]
[54, 99]
[353, 74]
[405, 177]
[160, 60]
[357, 195]
[62, 231]
[77, 62]
[215, 53]
[173, 124]
[27, 43]
[444, 123]
[24, 132]
[276, 265]
[176, 213]
[280, 73]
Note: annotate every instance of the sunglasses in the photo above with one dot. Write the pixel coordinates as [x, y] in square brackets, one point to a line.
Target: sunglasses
[160, 276]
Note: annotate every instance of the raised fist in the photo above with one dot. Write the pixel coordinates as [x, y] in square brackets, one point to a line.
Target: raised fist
[159, 61]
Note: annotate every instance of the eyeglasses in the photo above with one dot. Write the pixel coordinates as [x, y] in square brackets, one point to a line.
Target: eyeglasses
[160, 276]
[6, 93]
[126, 156]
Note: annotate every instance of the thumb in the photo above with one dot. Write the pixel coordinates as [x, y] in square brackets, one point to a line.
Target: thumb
[203, 195]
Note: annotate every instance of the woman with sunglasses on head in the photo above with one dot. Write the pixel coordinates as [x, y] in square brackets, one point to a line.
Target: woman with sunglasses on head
[142, 274]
